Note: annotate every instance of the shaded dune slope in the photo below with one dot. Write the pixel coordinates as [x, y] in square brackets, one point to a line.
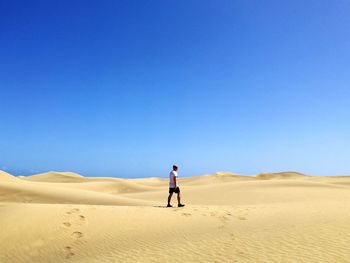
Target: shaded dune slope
[43, 193]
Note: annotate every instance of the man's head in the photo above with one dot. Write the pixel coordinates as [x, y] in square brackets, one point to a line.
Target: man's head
[174, 167]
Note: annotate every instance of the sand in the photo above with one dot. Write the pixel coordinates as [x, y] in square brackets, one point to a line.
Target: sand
[281, 217]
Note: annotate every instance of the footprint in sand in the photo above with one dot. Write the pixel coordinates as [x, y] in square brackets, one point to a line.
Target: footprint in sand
[186, 214]
[242, 218]
[213, 214]
[73, 211]
[74, 214]
[223, 218]
[68, 251]
[77, 234]
[73, 221]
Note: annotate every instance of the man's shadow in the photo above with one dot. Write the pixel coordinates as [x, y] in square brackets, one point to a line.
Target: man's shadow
[160, 206]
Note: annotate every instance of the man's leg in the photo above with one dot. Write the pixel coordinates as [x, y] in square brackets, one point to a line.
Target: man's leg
[169, 198]
[179, 199]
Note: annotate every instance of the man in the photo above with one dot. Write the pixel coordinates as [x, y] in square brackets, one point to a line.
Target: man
[173, 187]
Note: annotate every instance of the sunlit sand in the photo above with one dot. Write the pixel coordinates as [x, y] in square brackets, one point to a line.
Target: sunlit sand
[282, 217]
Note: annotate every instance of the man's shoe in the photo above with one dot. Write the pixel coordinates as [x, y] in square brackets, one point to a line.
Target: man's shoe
[180, 205]
[169, 205]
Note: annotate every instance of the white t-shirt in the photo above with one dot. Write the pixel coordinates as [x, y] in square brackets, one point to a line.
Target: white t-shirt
[172, 175]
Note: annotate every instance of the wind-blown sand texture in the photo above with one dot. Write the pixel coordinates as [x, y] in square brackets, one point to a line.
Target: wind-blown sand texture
[282, 217]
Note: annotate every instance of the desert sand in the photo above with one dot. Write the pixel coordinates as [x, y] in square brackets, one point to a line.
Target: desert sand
[271, 217]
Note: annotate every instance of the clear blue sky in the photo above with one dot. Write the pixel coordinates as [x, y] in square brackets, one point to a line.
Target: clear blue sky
[127, 88]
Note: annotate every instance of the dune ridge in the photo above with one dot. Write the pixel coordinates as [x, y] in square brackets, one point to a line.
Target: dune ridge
[6, 177]
[219, 188]
[280, 175]
[60, 177]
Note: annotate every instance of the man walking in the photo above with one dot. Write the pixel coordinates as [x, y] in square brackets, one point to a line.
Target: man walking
[173, 187]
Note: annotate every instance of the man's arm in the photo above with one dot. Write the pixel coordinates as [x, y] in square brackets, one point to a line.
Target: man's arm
[175, 181]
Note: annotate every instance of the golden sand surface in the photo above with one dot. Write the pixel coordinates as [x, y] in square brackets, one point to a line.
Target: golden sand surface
[271, 217]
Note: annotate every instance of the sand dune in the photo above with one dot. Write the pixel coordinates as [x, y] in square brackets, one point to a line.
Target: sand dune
[271, 217]
[43, 193]
[6, 177]
[282, 175]
[60, 177]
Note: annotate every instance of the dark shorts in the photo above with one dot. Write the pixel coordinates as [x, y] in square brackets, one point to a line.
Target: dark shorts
[174, 190]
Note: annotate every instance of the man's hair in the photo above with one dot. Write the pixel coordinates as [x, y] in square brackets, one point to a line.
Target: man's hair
[174, 166]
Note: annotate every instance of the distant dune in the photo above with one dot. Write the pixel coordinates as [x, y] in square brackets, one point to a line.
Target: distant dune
[281, 175]
[271, 217]
[225, 174]
[59, 177]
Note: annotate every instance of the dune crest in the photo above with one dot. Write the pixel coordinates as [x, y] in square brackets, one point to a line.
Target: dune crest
[6, 177]
[57, 177]
[280, 175]
[225, 174]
